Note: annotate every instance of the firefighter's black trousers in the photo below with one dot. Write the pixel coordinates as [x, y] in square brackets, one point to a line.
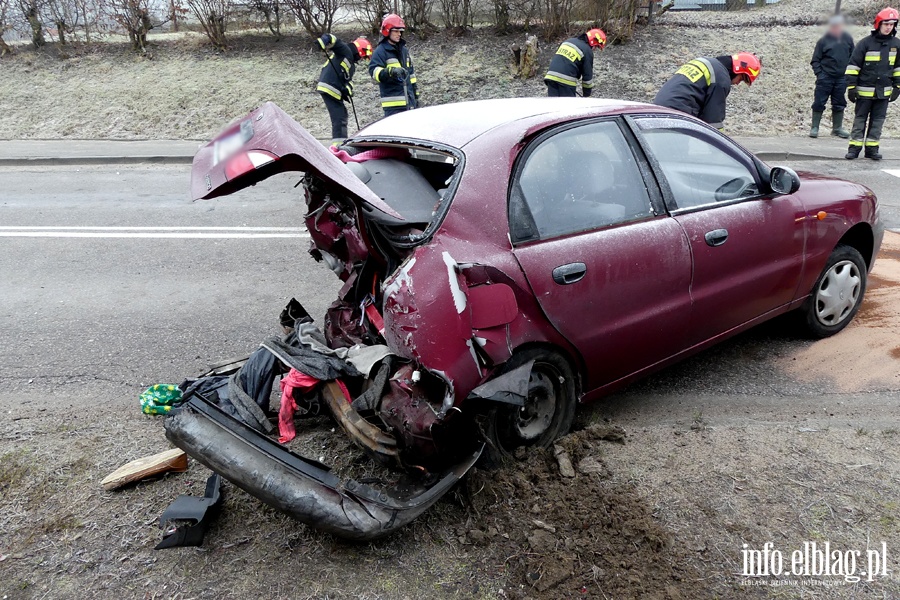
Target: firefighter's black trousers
[869, 121]
[830, 87]
[338, 113]
[555, 88]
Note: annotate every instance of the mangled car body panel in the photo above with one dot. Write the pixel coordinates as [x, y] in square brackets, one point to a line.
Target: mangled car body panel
[422, 215]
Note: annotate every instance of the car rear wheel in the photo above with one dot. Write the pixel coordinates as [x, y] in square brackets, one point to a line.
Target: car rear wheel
[837, 294]
[548, 411]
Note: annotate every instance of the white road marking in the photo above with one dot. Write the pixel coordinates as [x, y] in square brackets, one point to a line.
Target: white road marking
[44, 231]
[894, 172]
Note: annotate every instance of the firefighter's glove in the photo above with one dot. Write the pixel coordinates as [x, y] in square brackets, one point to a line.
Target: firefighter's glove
[895, 93]
[586, 92]
[852, 94]
[398, 73]
[348, 92]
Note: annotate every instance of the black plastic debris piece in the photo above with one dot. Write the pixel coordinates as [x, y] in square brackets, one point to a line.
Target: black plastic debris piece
[186, 520]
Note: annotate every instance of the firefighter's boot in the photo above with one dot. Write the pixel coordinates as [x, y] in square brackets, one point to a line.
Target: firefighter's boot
[814, 130]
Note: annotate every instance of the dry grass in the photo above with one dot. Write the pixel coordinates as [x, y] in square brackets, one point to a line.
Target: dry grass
[188, 91]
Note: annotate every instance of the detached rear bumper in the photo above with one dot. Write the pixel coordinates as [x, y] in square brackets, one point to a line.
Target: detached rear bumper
[298, 486]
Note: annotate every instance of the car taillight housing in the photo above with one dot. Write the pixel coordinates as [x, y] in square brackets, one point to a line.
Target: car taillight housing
[246, 162]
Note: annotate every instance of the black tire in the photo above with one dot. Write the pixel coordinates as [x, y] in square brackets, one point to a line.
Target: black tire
[844, 259]
[508, 427]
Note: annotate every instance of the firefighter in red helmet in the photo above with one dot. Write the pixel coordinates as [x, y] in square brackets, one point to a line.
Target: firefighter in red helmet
[701, 86]
[392, 68]
[336, 78]
[873, 80]
[574, 60]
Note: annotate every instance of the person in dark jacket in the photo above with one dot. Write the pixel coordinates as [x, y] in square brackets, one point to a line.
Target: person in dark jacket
[336, 78]
[829, 62]
[392, 69]
[873, 80]
[701, 86]
[574, 60]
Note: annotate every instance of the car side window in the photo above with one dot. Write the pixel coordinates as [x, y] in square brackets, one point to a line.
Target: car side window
[698, 172]
[581, 179]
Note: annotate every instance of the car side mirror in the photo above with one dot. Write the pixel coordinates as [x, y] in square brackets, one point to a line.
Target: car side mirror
[783, 180]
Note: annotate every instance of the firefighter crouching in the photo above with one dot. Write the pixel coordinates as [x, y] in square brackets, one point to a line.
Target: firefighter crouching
[701, 86]
[392, 69]
[574, 60]
[336, 78]
[873, 80]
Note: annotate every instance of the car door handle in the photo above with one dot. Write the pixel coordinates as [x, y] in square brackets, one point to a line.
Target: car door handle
[716, 237]
[570, 273]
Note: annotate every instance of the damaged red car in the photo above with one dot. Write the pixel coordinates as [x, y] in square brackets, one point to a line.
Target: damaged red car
[503, 261]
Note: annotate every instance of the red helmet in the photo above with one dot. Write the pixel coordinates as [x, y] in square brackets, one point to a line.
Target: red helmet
[391, 21]
[596, 38]
[363, 47]
[747, 64]
[886, 14]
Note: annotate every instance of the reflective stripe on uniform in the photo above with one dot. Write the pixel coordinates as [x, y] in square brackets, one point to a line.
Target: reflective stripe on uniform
[892, 56]
[561, 78]
[570, 51]
[391, 101]
[587, 84]
[866, 92]
[345, 64]
[852, 70]
[856, 143]
[328, 89]
[896, 72]
[871, 143]
[873, 56]
[391, 62]
[696, 69]
[376, 74]
[889, 90]
[412, 80]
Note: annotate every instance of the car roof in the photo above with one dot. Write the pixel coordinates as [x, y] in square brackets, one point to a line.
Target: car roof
[459, 123]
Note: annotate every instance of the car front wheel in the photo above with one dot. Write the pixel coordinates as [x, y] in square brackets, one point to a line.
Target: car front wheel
[837, 294]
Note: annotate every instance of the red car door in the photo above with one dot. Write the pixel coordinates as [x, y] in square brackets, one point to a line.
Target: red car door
[747, 247]
[610, 269]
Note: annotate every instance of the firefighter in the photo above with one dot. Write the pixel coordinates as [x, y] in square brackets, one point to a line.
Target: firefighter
[701, 86]
[336, 78]
[829, 61]
[873, 80]
[574, 60]
[392, 68]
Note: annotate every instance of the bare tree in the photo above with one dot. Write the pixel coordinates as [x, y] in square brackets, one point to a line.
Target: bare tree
[457, 15]
[31, 12]
[213, 16]
[134, 17]
[271, 12]
[501, 15]
[316, 16]
[415, 14]
[370, 13]
[5, 25]
[65, 15]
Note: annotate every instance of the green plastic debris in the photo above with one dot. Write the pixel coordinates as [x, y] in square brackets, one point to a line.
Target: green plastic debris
[158, 399]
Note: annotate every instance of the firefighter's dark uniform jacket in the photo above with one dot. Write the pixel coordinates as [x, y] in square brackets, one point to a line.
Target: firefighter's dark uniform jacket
[335, 78]
[873, 70]
[395, 95]
[832, 55]
[574, 60]
[698, 88]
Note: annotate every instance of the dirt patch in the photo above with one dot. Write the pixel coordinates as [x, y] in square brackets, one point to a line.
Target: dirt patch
[562, 536]
[864, 356]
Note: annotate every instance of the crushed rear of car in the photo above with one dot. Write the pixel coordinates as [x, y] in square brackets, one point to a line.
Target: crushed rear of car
[412, 357]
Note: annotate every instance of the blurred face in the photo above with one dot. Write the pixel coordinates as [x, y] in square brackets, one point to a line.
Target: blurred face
[836, 30]
[395, 34]
[887, 27]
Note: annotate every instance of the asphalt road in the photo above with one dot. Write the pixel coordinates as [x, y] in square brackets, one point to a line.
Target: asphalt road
[94, 295]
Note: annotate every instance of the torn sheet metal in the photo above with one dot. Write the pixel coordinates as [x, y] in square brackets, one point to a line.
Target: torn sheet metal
[303, 488]
[511, 387]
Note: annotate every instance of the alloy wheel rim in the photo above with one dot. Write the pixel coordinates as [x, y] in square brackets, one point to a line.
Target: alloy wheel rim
[838, 293]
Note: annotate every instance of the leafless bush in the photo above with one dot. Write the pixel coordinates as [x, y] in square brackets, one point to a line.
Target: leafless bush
[416, 15]
[270, 11]
[66, 16]
[502, 11]
[31, 12]
[316, 16]
[370, 12]
[213, 17]
[134, 17]
[5, 25]
[456, 14]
